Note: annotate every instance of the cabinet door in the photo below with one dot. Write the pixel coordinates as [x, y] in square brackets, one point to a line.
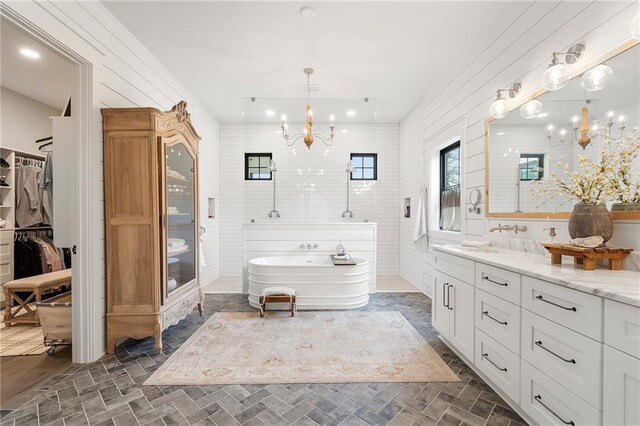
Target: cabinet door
[621, 388]
[439, 309]
[461, 329]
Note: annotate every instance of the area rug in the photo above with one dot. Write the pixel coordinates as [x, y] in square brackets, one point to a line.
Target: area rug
[313, 347]
[21, 340]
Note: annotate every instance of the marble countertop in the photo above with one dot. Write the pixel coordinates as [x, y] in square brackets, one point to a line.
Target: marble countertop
[622, 286]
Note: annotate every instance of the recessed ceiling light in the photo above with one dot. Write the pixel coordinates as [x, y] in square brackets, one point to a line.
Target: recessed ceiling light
[542, 115]
[351, 113]
[31, 54]
[307, 12]
[270, 112]
[343, 131]
[500, 133]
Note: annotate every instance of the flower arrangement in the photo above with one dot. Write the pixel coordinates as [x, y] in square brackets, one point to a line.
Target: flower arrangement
[611, 177]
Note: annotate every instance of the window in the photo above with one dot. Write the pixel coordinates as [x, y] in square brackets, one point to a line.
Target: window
[365, 165]
[256, 166]
[531, 166]
[450, 188]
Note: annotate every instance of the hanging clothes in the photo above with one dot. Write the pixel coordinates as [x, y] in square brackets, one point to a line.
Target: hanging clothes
[35, 255]
[46, 184]
[28, 196]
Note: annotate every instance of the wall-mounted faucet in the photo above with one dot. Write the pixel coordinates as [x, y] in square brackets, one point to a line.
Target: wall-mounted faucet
[308, 246]
[514, 228]
[273, 169]
[349, 170]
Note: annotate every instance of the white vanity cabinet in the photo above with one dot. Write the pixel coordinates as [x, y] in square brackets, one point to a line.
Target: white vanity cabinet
[556, 354]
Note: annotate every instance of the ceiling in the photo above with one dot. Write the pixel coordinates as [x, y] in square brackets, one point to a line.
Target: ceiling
[560, 106]
[393, 52]
[47, 79]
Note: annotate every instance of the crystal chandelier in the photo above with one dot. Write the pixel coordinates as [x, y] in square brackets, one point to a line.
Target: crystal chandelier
[307, 136]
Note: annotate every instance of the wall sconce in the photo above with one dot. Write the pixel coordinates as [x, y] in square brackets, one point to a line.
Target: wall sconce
[635, 27]
[273, 169]
[500, 107]
[596, 78]
[350, 169]
[557, 74]
[531, 109]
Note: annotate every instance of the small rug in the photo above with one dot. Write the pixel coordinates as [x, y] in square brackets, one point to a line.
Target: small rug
[21, 340]
[313, 347]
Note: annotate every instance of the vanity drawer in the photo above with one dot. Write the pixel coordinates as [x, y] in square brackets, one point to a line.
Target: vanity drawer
[574, 309]
[499, 282]
[548, 403]
[499, 319]
[573, 360]
[622, 327]
[454, 266]
[499, 364]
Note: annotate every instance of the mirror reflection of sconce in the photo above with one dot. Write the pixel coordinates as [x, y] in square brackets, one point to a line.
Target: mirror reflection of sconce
[474, 200]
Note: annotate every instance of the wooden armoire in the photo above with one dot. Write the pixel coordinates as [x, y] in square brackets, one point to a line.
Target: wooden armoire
[151, 220]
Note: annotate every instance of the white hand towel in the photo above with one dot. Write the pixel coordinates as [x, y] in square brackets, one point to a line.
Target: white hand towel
[420, 228]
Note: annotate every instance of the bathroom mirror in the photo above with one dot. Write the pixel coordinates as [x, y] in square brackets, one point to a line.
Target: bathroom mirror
[520, 152]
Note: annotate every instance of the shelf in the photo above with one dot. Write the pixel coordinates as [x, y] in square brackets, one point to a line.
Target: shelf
[6, 187]
[6, 207]
[178, 253]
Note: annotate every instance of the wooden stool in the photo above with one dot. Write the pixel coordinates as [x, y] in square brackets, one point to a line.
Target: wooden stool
[37, 285]
[277, 295]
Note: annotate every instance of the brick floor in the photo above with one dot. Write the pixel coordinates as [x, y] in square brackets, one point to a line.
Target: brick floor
[110, 391]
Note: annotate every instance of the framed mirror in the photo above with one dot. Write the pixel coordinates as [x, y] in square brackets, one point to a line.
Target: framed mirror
[524, 147]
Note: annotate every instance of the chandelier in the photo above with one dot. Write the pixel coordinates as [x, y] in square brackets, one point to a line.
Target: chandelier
[307, 136]
[583, 134]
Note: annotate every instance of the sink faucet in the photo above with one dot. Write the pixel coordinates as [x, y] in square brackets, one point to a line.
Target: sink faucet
[514, 228]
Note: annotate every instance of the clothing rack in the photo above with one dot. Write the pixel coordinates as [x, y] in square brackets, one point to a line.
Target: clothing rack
[27, 161]
[35, 232]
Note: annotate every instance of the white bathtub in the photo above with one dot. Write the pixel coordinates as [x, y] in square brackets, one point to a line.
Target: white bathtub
[319, 284]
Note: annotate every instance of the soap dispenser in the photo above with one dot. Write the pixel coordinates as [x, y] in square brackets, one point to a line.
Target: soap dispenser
[340, 248]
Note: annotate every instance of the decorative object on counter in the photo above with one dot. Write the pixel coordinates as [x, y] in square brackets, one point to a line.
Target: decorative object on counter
[586, 257]
[340, 248]
[589, 220]
[588, 242]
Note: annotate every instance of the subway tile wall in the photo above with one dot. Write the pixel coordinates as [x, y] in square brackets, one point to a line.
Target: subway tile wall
[311, 185]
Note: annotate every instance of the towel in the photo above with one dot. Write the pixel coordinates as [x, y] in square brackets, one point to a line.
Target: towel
[421, 225]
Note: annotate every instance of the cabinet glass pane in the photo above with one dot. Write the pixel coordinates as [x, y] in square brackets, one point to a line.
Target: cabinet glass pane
[181, 232]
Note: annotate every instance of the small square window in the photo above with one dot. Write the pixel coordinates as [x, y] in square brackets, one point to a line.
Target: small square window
[531, 167]
[365, 165]
[256, 166]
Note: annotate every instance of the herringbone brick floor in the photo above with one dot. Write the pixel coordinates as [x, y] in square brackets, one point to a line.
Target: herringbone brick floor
[110, 391]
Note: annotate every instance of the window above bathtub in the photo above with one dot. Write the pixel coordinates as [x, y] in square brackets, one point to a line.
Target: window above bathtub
[365, 166]
[256, 166]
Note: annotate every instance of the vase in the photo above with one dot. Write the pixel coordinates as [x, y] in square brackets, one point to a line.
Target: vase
[589, 220]
[625, 207]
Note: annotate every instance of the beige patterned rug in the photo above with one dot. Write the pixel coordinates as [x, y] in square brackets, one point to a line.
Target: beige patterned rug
[21, 340]
[313, 347]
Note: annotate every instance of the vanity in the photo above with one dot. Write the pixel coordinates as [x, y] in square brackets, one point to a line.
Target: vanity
[561, 345]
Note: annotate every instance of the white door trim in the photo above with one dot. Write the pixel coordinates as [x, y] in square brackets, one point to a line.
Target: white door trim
[87, 297]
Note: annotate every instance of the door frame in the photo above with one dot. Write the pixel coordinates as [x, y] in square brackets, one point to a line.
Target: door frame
[88, 294]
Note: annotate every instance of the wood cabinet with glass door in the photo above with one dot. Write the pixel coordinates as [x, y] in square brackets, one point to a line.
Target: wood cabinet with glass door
[151, 221]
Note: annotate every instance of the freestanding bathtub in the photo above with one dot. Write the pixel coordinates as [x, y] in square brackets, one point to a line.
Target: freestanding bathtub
[319, 284]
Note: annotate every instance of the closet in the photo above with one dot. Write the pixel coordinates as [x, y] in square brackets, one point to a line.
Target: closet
[151, 215]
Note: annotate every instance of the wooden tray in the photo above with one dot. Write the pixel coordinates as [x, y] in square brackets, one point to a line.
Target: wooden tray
[587, 256]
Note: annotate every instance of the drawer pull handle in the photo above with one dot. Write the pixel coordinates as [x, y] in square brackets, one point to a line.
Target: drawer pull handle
[539, 344]
[449, 297]
[573, 308]
[539, 399]
[486, 278]
[486, 313]
[486, 356]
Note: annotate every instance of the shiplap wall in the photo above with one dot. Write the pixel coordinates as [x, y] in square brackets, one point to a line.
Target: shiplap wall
[129, 76]
[518, 48]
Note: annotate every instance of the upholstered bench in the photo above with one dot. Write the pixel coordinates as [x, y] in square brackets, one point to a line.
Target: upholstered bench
[37, 285]
[277, 295]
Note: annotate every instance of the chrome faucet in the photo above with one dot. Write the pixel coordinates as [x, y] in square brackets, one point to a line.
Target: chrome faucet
[514, 228]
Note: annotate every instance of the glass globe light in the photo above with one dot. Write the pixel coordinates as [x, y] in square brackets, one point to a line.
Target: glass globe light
[531, 109]
[499, 107]
[556, 76]
[635, 27]
[596, 78]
